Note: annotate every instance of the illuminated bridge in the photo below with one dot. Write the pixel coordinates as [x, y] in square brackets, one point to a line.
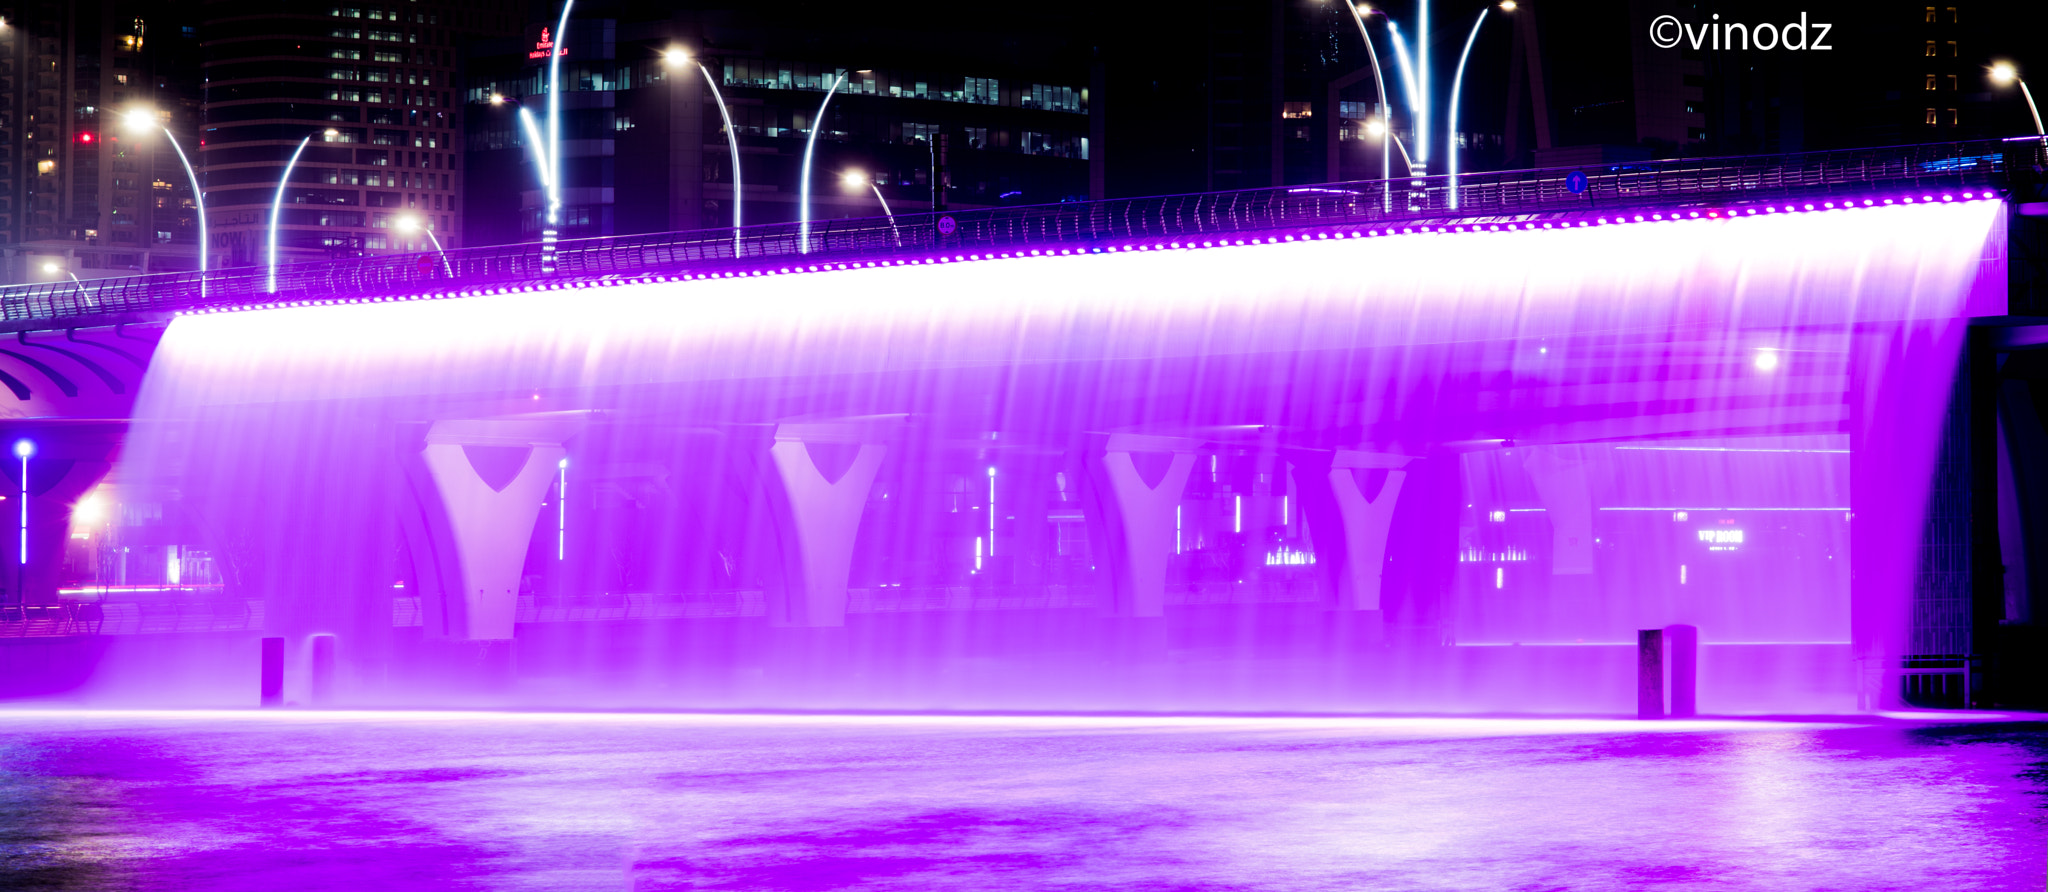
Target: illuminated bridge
[1347, 446]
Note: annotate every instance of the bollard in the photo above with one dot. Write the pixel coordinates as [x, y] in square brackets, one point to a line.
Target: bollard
[273, 672]
[1682, 651]
[323, 670]
[1650, 674]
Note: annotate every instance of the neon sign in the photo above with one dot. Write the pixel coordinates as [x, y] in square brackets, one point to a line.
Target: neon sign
[542, 46]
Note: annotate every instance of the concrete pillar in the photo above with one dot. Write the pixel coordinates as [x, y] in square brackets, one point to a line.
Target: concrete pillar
[1560, 478]
[1348, 499]
[817, 476]
[270, 673]
[1136, 483]
[320, 674]
[1650, 674]
[477, 488]
[1682, 656]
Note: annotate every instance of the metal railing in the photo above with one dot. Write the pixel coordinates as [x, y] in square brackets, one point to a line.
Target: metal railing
[1516, 193]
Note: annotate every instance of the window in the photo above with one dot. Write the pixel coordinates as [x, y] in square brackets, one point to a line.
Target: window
[1953, 121]
[1930, 15]
[350, 12]
[1930, 49]
[1930, 82]
[346, 33]
[977, 137]
[1932, 119]
[1952, 18]
[1951, 83]
[1952, 49]
[1294, 111]
[344, 52]
[342, 74]
[385, 56]
[982, 91]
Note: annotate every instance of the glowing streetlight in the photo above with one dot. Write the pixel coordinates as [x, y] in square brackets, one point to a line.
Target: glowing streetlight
[678, 57]
[411, 223]
[550, 160]
[52, 268]
[143, 120]
[277, 211]
[803, 241]
[856, 179]
[497, 99]
[2004, 73]
[1457, 83]
[1358, 14]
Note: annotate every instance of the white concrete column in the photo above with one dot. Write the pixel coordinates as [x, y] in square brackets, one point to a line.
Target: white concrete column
[1559, 473]
[1348, 518]
[816, 509]
[477, 488]
[1136, 514]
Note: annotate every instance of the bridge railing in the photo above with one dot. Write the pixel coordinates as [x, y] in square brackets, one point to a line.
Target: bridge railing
[1604, 187]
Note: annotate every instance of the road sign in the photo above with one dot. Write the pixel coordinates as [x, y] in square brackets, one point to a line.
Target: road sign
[1575, 181]
[948, 225]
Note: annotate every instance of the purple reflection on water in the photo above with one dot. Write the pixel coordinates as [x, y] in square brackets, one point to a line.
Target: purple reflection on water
[643, 802]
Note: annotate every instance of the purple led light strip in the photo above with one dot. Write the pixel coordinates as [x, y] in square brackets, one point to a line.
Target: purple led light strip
[1579, 220]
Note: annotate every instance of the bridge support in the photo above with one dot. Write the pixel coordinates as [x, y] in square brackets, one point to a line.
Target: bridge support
[1348, 498]
[817, 476]
[1136, 485]
[477, 488]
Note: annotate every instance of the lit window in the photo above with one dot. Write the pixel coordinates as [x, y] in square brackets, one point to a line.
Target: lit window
[1951, 83]
[1295, 110]
[1930, 48]
[1930, 82]
[1932, 120]
[1952, 49]
[1930, 14]
[1953, 121]
[1952, 15]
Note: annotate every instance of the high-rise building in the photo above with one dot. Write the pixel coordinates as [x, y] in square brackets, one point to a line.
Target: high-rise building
[364, 93]
[644, 144]
[81, 194]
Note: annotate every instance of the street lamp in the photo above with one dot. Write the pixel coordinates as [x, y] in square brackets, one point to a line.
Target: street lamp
[1457, 83]
[143, 119]
[277, 210]
[554, 155]
[23, 448]
[678, 57]
[1379, 83]
[411, 223]
[803, 228]
[2004, 73]
[52, 268]
[856, 179]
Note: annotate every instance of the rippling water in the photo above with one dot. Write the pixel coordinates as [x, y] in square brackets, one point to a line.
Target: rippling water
[396, 801]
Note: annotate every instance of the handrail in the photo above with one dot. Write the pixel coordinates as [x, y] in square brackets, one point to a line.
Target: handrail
[1513, 193]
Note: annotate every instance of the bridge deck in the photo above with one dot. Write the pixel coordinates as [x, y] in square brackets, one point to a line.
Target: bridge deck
[1493, 198]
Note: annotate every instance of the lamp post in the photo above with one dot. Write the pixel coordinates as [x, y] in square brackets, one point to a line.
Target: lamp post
[2004, 73]
[277, 211]
[1380, 129]
[1457, 83]
[803, 228]
[678, 57]
[411, 223]
[1379, 83]
[142, 119]
[23, 448]
[553, 182]
[857, 179]
[52, 268]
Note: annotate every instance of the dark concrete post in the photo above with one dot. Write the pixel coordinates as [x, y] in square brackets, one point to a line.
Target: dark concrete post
[323, 670]
[1682, 651]
[273, 672]
[1650, 674]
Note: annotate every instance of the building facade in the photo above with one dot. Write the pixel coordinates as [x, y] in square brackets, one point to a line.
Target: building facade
[364, 93]
[645, 146]
[82, 192]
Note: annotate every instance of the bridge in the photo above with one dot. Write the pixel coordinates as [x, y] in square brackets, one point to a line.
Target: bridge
[1546, 408]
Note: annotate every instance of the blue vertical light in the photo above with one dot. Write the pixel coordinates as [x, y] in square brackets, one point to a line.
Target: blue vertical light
[24, 449]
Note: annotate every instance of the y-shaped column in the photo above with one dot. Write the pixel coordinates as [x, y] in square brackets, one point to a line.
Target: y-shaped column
[477, 486]
[1136, 513]
[1348, 498]
[817, 477]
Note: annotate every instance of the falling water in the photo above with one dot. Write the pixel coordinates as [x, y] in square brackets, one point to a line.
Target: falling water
[1436, 472]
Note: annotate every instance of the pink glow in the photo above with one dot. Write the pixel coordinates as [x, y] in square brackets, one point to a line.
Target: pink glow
[1476, 371]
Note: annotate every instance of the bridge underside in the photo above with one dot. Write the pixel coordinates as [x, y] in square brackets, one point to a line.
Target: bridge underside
[1430, 472]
